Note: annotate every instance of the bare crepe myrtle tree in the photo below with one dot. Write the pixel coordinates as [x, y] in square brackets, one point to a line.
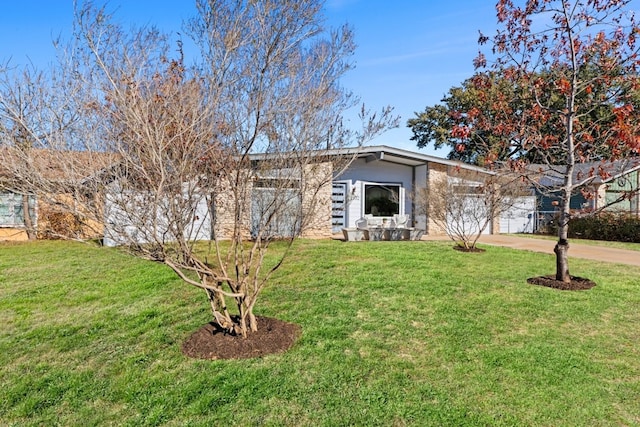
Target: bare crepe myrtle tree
[465, 203]
[39, 119]
[223, 164]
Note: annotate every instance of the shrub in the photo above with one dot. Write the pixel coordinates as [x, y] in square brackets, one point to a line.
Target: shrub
[606, 226]
[59, 225]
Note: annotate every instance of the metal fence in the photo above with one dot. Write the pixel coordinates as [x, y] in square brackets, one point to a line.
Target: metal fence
[545, 221]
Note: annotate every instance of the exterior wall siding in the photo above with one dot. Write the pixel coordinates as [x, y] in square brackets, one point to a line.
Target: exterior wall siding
[316, 201]
[437, 177]
[315, 205]
[224, 211]
[13, 234]
[419, 213]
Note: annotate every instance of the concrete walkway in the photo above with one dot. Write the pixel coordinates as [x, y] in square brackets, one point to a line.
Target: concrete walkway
[576, 250]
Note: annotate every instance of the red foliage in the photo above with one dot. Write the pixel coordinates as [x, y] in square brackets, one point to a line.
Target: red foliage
[480, 61]
[603, 173]
[460, 132]
[564, 86]
[550, 66]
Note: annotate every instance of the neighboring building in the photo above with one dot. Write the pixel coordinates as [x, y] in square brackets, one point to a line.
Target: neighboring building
[51, 189]
[608, 186]
[12, 215]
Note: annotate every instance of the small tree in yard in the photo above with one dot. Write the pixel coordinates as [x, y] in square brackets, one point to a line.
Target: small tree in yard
[571, 67]
[468, 202]
[566, 39]
[232, 150]
[39, 119]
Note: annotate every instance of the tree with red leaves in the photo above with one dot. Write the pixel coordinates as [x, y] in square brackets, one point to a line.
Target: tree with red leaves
[576, 65]
[558, 90]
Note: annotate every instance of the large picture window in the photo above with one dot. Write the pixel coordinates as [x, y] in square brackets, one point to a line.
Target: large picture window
[382, 199]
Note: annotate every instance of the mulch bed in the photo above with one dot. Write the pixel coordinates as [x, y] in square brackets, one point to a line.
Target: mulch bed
[469, 250]
[577, 283]
[210, 342]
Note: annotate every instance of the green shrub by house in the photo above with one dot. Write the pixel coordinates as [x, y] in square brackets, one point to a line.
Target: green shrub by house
[612, 227]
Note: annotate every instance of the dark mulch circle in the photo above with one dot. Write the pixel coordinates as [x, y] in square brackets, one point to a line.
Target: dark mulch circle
[577, 283]
[469, 250]
[210, 342]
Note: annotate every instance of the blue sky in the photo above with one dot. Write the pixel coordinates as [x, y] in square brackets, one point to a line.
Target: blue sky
[410, 52]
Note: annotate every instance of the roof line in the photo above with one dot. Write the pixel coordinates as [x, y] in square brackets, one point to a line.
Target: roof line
[379, 150]
[414, 155]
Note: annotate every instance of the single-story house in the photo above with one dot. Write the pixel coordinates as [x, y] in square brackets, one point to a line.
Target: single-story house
[382, 180]
[379, 182]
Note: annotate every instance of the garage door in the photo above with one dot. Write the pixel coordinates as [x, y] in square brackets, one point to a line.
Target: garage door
[467, 215]
[520, 217]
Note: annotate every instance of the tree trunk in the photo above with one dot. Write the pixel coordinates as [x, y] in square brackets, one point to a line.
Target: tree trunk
[253, 322]
[562, 261]
[28, 221]
[562, 247]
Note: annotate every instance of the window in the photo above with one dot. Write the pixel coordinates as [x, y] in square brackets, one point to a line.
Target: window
[623, 188]
[382, 199]
[11, 212]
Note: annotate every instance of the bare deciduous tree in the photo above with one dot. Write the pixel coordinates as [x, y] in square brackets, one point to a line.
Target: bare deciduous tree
[237, 151]
[464, 204]
[213, 169]
[39, 122]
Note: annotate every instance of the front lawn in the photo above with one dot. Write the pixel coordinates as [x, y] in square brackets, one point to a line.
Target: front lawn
[605, 243]
[393, 333]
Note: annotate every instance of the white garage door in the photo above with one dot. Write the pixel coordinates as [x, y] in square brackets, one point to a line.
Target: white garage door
[467, 215]
[520, 218]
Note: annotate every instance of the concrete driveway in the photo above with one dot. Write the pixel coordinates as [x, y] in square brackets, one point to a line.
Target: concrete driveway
[576, 250]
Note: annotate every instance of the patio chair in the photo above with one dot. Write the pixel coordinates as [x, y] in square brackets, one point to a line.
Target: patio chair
[373, 221]
[401, 220]
[362, 223]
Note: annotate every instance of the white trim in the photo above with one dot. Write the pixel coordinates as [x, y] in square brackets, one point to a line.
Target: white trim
[401, 195]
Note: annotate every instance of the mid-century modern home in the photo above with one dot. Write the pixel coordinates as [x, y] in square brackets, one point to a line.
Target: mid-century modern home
[392, 175]
[378, 183]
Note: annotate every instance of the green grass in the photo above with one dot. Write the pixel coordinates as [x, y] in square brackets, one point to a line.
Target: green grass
[394, 333]
[604, 243]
